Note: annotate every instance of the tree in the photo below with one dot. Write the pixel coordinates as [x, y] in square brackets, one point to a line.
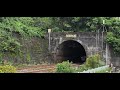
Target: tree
[91, 24]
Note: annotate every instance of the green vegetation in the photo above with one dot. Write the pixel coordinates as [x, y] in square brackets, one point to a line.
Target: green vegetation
[91, 62]
[114, 41]
[64, 67]
[9, 44]
[27, 27]
[28, 57]
[7, 69]
[82, 68]
[92, 24]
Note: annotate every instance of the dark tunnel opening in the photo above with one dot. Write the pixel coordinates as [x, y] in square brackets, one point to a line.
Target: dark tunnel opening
[71, 50]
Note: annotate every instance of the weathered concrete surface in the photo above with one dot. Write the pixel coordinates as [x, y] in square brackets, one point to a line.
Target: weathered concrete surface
[35, 50]
[89, 40]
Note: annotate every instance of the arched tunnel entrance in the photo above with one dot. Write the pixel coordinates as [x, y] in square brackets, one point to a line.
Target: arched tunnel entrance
[71, 50]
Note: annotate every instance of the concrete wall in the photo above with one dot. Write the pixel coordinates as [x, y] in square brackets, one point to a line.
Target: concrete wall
[34, 51]
[115, 58]
[88, 40]
[37, 48]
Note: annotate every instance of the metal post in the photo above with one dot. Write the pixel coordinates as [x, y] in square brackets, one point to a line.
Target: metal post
[49, 41]
[102, 37]
[96, 42]
[106, 54]
[49, 31]
[98, 37]
[102, 33]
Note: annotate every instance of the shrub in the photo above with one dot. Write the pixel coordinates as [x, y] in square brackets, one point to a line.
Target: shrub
[28, 58]
[82, 68]
[93, 61]
[9, 44]
[7, 69]
[64, 67]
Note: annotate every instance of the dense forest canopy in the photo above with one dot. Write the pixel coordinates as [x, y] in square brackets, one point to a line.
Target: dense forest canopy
[38, 26]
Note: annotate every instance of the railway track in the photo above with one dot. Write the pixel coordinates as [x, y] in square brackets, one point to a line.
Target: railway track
[37, 69]
[40, 68]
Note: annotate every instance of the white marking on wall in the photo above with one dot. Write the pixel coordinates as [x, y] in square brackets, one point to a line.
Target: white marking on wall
[71, 35]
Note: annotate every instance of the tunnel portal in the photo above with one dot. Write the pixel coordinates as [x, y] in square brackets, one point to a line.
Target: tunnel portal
[71, 50]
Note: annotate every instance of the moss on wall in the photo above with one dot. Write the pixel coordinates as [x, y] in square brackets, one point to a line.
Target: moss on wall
[33, 51]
